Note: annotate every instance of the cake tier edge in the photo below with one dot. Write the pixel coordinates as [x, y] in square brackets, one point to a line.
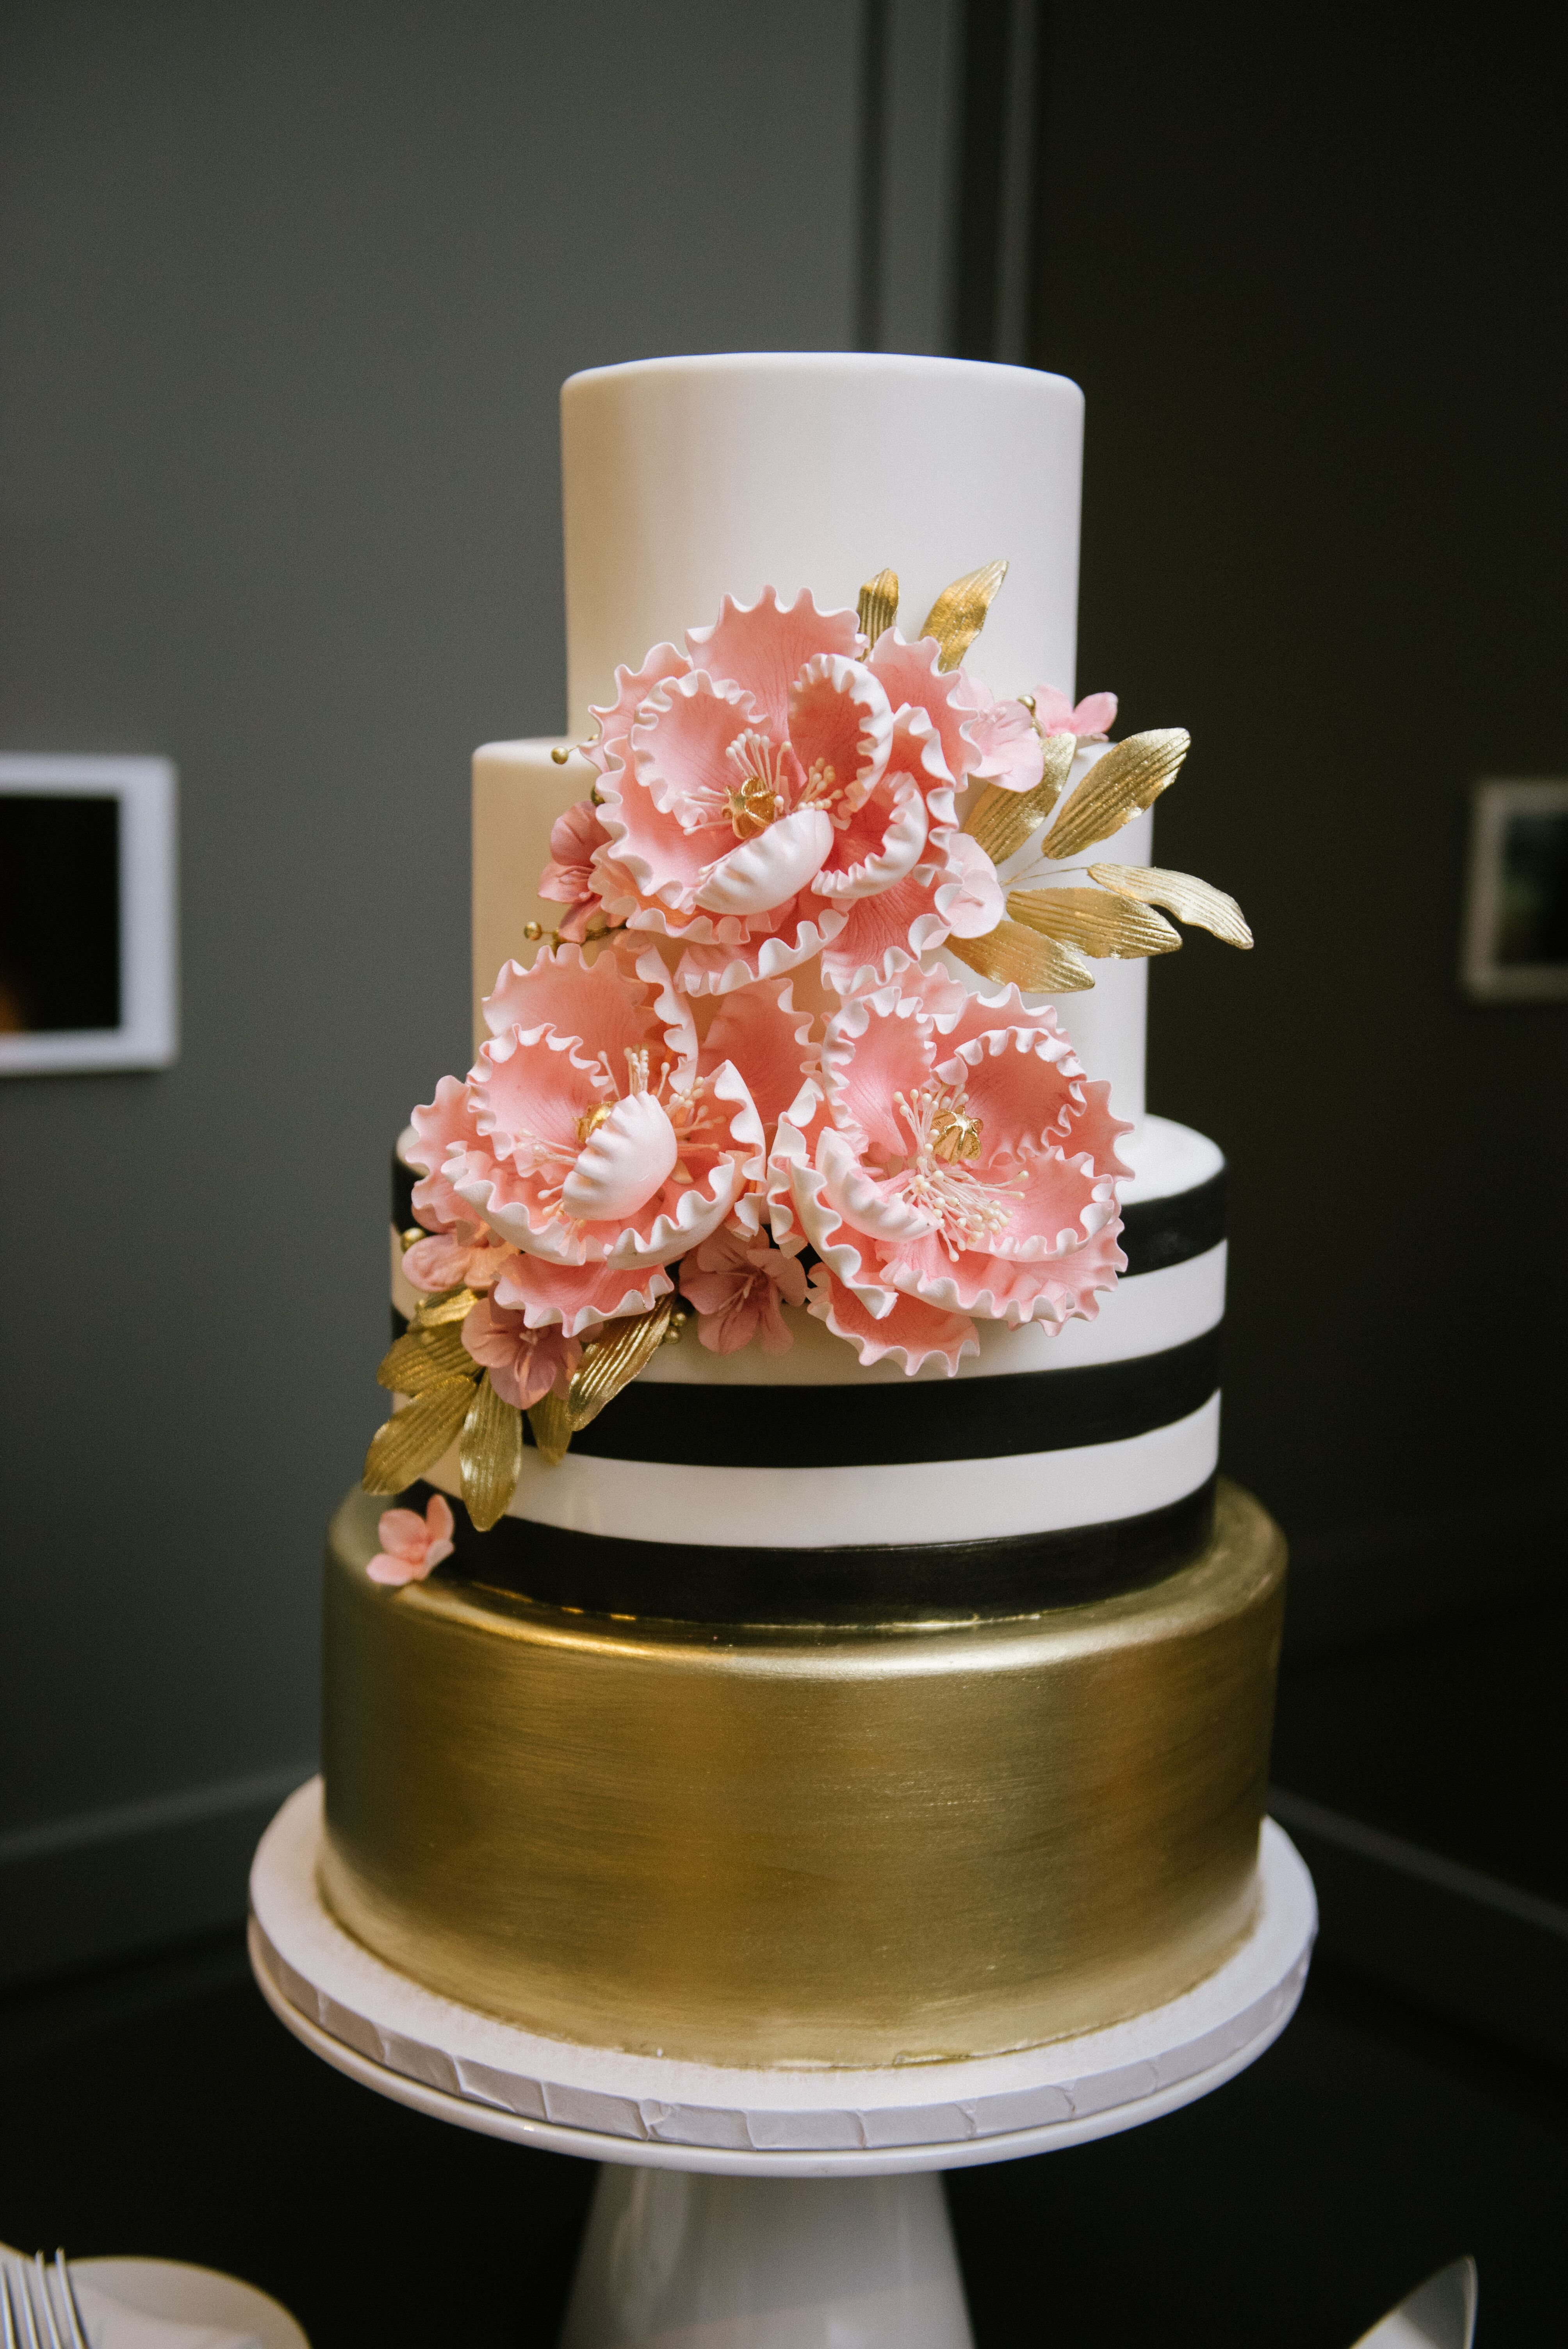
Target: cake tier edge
[888, 1846]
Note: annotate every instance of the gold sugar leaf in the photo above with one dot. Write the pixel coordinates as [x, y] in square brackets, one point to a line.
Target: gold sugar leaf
[1181, 894]
[423, 1359]
[958, 615]
[614, 1360]
[1039, 966]
[490, 1452]
[551, 1424]
[878, 605]
[1002, 821]
[415, 1437]
[1129, 778]
[454, 1306]
[1095, 921]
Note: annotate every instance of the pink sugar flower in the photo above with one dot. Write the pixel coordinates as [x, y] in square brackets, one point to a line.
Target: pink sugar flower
[763, 787]
[576, 839]
[524, 1365]
[587, 1137]
[411, 1544]
[737, 1284]
[963, 1159]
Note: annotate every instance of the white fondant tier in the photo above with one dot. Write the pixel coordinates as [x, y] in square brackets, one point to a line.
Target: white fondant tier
[519, 791]
[686, 480]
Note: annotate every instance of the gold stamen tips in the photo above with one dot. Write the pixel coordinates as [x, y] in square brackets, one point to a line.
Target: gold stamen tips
[955, 1133]
[678, 1320]
[560, 756]
[590, 1122]
[533, 932]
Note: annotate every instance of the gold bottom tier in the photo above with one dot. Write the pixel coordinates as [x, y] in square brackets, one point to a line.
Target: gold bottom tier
[845, 1848]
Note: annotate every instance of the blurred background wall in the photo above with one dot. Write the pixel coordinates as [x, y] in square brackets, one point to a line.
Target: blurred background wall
[290, 291]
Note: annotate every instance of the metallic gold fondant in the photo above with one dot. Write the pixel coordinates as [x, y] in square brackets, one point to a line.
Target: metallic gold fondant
[739, 1845]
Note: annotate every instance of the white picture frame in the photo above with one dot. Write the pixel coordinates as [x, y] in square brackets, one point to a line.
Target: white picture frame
[1491, 968]
[147, 1035]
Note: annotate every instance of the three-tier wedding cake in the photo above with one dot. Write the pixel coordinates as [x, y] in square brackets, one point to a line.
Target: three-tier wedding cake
[809, 1631]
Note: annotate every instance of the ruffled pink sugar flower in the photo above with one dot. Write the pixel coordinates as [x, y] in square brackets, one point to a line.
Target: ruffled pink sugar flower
[586, 1134]
[963, 1160]
[411, 1544]
[524, 1363]
[737, 1283]
[760, 787]
[576, 839]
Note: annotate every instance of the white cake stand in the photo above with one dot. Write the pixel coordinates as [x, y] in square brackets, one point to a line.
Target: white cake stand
[761, 2210]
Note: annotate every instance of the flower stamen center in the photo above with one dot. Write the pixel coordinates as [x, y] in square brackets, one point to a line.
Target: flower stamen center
[967, 1212]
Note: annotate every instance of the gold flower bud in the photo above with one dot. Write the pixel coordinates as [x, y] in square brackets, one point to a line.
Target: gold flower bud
[751, 806]
[954, 1134]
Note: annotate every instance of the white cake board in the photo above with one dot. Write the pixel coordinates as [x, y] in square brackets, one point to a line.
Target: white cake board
[722, 2261]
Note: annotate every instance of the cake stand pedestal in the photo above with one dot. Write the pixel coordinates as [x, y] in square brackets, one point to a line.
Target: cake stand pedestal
[761, 2210]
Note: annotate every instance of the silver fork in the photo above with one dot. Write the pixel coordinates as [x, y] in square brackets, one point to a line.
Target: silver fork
[38, 2302]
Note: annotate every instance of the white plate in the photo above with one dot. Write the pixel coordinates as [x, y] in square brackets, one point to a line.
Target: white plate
[193, 2297]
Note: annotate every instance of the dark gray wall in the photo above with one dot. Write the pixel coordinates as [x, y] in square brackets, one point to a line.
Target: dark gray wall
[289, 293]
[1308, 285]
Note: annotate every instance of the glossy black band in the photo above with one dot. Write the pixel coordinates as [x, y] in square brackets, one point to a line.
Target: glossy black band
[692, 1582]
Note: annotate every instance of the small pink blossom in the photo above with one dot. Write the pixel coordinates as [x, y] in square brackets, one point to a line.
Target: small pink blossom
[466, 1257]
[524, 1365]
[737, 1284]
[1091, 720]
[969, 897]
[576, 839]
[411, 1544]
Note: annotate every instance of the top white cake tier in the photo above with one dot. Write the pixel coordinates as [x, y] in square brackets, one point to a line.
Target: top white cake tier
[686, 480]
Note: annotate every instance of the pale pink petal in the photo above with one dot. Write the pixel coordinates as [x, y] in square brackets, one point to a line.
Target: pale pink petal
[765, 646]
[878, 1046]
[1095, 716]
[577, 1296]
[1053, 710]
[756, 875]
[913, 1333]
[969, 896]
[769, 1040]
[1006, 745]
[910, 678]
[403, 1533]
[841, 718]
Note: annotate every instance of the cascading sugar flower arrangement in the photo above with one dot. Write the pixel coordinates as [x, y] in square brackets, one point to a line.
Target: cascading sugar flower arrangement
[742, 1079]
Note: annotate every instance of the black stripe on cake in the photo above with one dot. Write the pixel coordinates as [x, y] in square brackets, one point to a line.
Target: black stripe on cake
[403, 1181]
[690, 1582]
[1160, 1232]
[866, 1425]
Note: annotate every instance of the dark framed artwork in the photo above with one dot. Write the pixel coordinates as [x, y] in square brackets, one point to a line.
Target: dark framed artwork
[1515, 947]
[87, 914]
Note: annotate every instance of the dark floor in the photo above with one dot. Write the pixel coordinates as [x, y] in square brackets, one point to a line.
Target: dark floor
[163, 2111]
[1450, 1736]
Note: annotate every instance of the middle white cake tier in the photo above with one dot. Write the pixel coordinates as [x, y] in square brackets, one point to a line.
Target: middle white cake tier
[519, 791]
